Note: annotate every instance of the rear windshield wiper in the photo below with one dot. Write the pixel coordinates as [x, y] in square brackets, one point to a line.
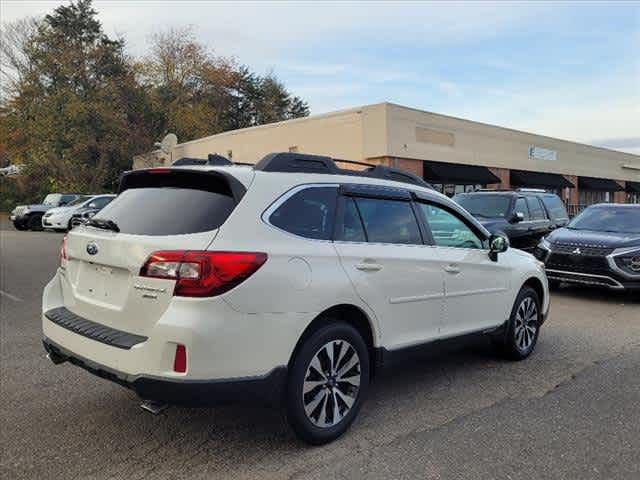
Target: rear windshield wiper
[104, 224]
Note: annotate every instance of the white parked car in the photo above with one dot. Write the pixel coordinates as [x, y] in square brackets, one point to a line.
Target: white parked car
[59, 218]
[290, 283]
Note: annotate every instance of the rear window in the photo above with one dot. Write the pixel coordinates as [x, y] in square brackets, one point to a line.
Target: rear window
[170, 204]
[555, 207]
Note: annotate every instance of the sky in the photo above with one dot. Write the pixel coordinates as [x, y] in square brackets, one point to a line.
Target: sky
[569, 70]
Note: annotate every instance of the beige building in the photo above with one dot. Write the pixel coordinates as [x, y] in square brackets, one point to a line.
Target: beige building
[452, 153]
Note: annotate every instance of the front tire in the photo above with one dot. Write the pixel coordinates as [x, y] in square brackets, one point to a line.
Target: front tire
[35, 223]
[19, 226]
[523, 329]
[328, 382]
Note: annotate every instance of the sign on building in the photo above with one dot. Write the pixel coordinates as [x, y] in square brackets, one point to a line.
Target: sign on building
[539, 153]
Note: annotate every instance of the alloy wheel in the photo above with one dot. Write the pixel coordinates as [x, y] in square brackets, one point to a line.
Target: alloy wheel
[331, 383]
[526, 323]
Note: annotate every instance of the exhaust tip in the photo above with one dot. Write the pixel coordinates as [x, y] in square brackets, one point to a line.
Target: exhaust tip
[153, 407]
[56, 358]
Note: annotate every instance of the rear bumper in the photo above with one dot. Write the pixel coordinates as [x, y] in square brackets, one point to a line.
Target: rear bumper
[263, 390]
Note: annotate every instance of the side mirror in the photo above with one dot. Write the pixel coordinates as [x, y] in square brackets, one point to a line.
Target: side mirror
[92, 205]
[62, 204]
[517, 217]
[498, 243]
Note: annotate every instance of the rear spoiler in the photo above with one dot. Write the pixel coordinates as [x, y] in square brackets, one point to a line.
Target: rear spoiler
[209, 180]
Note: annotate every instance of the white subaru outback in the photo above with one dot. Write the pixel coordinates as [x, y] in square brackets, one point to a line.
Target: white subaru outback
[289, 283]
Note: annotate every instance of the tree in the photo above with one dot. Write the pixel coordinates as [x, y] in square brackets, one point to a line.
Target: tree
[75, 109]
[196, 93]
[77, 115]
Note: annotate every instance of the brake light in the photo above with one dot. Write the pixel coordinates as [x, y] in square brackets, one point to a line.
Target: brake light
[202, 273]
[63, 252]
[159, 170]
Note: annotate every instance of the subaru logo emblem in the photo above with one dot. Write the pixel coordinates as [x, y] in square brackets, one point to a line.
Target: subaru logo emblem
[92, 248]
[577, 251]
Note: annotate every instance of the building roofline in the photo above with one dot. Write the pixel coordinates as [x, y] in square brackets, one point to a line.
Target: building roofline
[513, 130]
[266, 126]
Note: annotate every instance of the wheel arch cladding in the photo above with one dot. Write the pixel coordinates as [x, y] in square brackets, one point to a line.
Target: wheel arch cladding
[347, 313]
[536, 284]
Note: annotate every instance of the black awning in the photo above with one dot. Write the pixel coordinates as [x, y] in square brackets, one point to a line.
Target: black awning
[633, 187]
[439, 172]
[599, 184]
[521, 178]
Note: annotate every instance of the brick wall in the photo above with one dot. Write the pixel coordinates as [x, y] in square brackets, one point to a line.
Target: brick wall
[505, 178]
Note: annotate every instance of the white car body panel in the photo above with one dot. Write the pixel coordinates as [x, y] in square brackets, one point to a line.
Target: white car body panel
[254, 328]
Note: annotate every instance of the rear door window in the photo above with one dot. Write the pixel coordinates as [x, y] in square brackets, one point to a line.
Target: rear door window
[350, 228]
[389, 221]
[521, 207]
[170, 204]
[308, 213]
[555, 207]
[535, 209]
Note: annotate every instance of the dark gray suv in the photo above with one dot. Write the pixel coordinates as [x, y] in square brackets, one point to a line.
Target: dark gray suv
[525, 216]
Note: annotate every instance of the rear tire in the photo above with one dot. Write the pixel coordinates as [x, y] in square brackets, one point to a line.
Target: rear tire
[35, 223]
[522, 332]
[328, 382]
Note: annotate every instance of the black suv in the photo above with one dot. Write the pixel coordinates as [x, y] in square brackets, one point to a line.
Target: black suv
[600, 247]
[525, 216]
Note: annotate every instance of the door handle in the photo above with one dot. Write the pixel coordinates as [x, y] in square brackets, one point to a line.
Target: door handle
[368, 266]
[452, 269]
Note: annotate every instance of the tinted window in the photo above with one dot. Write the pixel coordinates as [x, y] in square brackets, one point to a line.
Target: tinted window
[485, 205]
[77, 201]
[555, 207]
[69, 198]
[535, 209]
[608, 219]
[100, 202]
[521, 206]
[308, 213]
[168, 211]
[389, 221]
[350, 228]
[447, 229]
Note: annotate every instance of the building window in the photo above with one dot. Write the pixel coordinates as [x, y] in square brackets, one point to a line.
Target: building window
[633, 197]
[591, 197]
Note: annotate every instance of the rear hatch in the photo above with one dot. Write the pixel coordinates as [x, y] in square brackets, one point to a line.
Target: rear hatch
[157, 209]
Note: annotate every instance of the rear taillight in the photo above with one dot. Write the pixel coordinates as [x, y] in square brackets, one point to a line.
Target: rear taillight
[201, 273]
[63, 252]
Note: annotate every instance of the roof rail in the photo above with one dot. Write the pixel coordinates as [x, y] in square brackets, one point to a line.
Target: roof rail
[305, 163]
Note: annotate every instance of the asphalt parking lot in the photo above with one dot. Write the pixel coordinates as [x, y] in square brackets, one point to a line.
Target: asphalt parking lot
[572, 410]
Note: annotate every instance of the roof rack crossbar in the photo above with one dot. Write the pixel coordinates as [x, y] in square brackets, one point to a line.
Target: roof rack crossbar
[305, 163]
